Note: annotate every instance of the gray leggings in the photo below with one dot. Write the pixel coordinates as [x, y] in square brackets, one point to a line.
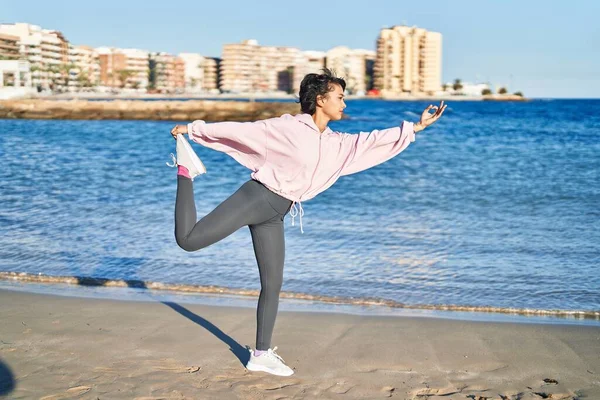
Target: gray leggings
[262, 211]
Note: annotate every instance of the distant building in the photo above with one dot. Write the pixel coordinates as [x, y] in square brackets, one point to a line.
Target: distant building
[193, 72]
[15, 73]
[469, 89]
[170, 72]
[351, 64]
[247, 67]
[212, 75]
[308, 62]
[123, 68]
[408, 61]
[9, 47]
[84, 65]
[46, 50]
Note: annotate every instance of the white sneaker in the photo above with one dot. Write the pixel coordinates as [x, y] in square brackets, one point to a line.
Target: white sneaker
[188, 158]
[268, 362]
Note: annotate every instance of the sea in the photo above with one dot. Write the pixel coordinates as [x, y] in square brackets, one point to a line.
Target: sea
[494, 210]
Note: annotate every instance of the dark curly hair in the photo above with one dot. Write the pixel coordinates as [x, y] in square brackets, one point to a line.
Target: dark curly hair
[314, 85]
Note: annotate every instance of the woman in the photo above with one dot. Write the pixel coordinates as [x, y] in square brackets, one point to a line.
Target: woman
[292, 159]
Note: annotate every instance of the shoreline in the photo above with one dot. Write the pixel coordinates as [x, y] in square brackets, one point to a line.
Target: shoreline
[55, 347]
[304, 301]
[208, 110]
[270, 96]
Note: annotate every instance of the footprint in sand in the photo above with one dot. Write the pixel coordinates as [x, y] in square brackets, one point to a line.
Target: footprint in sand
[69, 393]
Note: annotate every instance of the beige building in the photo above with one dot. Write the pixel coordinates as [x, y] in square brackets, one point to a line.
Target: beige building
[84, 62]
[170, 73]
[351, 64]
[9, 47]
[311, 62]
[408, 61]
[210, 70]
[46, 50]
[247, 67]
[123, 68]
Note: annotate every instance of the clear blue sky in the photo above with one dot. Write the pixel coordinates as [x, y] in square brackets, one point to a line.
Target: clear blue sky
[543, 48]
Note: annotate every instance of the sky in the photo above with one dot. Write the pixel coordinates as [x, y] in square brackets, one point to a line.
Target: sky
[545, 49]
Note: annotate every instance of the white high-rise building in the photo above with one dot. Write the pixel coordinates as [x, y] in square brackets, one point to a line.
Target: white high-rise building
[193, 72]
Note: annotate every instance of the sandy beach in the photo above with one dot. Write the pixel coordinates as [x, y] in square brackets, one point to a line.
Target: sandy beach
[54, 347]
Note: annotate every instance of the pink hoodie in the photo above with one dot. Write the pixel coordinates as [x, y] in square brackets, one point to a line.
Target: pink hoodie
[291, 157]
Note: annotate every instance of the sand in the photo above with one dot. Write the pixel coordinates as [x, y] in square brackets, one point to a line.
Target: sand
[54, 347]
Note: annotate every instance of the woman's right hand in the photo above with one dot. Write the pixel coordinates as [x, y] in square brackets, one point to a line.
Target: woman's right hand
[179, 130]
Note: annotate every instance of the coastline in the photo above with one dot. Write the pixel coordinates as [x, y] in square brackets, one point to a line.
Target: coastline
[208, 110]
[177, 108]
[57, 347]
[140, 290]
[271, 96]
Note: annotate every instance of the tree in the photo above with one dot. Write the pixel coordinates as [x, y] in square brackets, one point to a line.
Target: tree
[84, 80]
[151, 73]
[444, 87]
[519, 94]
[486, 92]
[502, 90]
[124, 75]
[457, 85]
[65, 73]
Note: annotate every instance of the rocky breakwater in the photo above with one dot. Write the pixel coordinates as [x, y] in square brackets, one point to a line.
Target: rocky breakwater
[213, 111]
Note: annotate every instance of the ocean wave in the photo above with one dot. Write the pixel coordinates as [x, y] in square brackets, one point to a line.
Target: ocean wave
[353, 301]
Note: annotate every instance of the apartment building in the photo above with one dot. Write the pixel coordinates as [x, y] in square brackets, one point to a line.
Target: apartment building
[212, 75]
[46, 50]
[352, 65]
[248, 67]
[9, 47]
[193, 72]
[169, 73]
[84, 67]
[123, 68]
[310, 62]
[408, 61]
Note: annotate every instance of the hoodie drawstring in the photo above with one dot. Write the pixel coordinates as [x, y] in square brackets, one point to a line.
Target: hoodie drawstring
[294, 212]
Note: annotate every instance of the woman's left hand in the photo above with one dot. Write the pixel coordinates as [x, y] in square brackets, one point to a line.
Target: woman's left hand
[427, 118]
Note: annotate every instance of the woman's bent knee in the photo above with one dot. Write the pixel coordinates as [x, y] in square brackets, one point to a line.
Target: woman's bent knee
[185, 244]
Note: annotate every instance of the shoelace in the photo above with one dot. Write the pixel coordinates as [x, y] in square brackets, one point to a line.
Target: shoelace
[174, 161]
[294, 212]
[272, 352]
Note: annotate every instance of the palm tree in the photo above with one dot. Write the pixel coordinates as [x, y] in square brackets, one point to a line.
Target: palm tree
[124, 75]
[502, 90]
[457, 85]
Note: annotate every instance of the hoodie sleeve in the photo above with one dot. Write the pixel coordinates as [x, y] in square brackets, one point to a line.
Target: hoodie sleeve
[245, 142]
[368, 149]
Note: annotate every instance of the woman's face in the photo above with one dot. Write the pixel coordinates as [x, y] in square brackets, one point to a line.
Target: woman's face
[333, 103]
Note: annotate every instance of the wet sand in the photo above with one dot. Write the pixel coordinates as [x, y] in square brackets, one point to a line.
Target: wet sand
[54, 347]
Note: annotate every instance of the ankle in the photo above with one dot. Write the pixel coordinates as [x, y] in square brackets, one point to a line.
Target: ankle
[183, 171]
[259, 352]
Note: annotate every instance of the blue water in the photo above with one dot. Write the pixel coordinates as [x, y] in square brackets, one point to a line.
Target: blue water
[496, 205]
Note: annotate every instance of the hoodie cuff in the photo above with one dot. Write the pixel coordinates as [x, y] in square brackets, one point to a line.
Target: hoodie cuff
[198, 125]
[408, 128]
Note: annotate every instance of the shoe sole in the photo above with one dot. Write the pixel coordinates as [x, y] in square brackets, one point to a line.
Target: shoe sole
[260, 368]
